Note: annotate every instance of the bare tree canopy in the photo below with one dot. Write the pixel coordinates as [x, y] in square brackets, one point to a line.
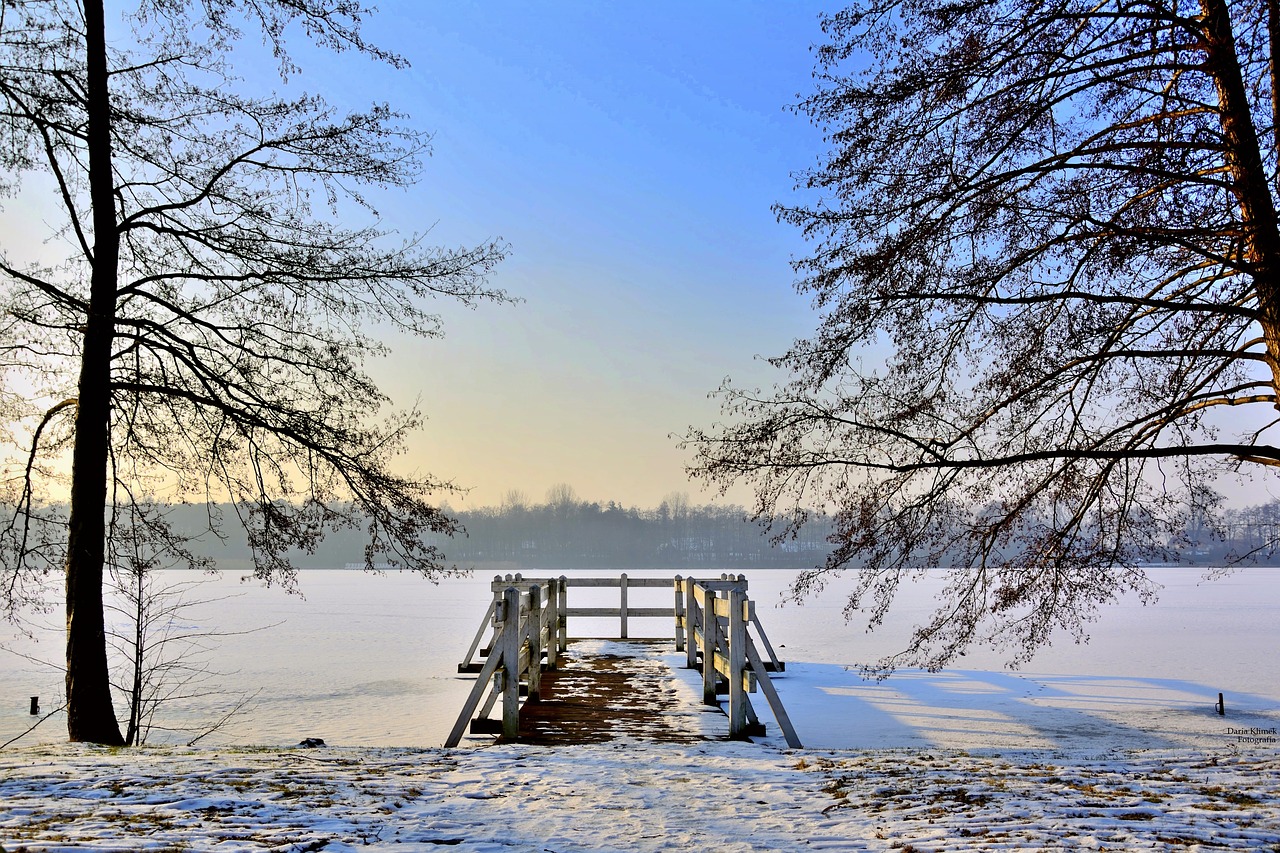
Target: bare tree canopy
[1045, 259]
[202, 324]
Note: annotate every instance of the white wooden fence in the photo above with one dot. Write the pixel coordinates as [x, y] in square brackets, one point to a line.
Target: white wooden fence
[528, 617]
[716, 621]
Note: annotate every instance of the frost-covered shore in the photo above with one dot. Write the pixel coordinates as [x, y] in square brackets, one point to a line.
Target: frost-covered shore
[626, 796]
[995, 761]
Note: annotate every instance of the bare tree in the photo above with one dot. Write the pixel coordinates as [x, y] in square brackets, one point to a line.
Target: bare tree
[562, 498]
[676, 504]
[514, 501]
[1045, 254]
[160, 659]
[207, 326]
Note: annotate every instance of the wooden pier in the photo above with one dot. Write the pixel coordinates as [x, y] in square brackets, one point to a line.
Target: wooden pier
[570, 699]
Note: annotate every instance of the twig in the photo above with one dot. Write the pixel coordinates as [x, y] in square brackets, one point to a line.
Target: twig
[244, 700]
[33, 728]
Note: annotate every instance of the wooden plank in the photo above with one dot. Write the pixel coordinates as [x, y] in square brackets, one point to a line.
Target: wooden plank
[677, 609]
[520, 582]
[746, 607]
[724, 667]
[486, 726]
[536, 628]
[622, 605]
[523, 583]
[772, 664]
[710, 639]
[692, 615]
[510, 645]
[775, 701]
[650, 583]
[473, 700]
[737, 663]
[754, 726]
[723, 585]
[614, 612]
[562, 617]
[605, 583]
[475, 643]
[495, 693]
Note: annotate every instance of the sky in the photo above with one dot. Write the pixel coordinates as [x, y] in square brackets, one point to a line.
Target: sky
[629, 154]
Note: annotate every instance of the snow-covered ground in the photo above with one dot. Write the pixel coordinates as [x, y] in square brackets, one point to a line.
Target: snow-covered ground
[833, 707]
[1049, 765]
[1116, 745]
[715, 796]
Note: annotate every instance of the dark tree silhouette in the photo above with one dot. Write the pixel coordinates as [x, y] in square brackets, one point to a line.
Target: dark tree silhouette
[1045, 257]
[207, 326]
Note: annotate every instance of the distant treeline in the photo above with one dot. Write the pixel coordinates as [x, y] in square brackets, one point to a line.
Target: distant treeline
[1251, 532]
[566, 533]
[593, 535]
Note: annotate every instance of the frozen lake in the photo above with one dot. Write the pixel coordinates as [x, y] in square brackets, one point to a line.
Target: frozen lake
[371, 661]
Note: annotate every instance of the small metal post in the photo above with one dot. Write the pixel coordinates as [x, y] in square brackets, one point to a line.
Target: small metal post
[1222, 709]
[35, 705]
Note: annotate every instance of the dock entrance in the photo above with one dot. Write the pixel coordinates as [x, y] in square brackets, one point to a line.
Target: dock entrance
[602, 691]
[550, 694]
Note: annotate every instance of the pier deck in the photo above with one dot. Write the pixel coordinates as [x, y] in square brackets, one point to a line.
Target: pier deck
[616, 690]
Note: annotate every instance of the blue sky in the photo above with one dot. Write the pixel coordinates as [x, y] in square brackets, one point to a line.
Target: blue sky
[629, 154]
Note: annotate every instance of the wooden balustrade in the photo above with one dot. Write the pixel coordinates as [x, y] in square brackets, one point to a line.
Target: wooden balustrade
[529, 617]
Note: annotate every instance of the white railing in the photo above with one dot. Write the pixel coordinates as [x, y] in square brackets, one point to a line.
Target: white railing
[717, 616]
[523, 628]
[713, 622]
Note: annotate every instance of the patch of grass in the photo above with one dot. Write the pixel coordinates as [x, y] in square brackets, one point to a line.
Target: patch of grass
[890, 792]
[1238, 798]
[837, 790]
[960, 795]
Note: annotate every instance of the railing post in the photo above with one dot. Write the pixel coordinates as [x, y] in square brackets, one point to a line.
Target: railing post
[535, 643]
[497, 603]
[562, 624]
[622, 606]
[691, 623]
[709, 644]
[510, 641]
[553, 623]
[737, 663]
[678, 611]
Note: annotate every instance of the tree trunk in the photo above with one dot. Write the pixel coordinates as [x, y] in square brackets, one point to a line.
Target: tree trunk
[1249, 177]
[90, 714]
